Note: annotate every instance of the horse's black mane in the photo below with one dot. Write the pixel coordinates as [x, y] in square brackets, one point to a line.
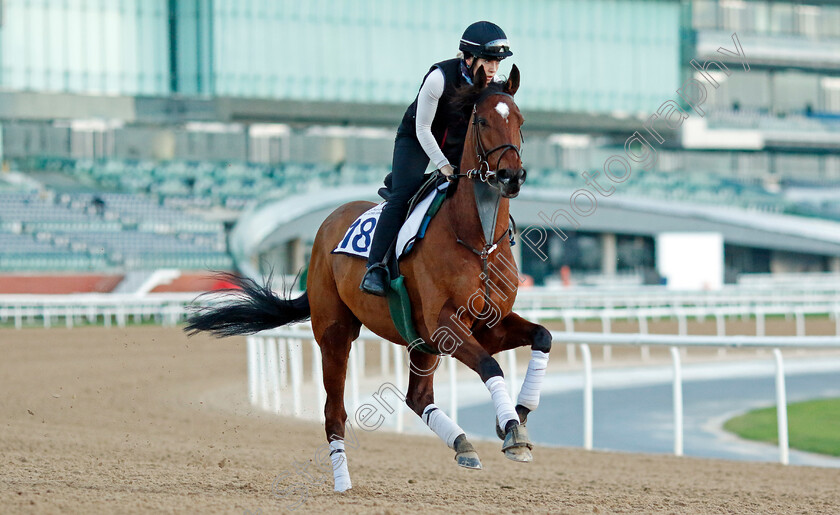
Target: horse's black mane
[467, 96]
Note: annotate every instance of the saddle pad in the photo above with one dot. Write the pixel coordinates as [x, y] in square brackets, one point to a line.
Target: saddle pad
[359, 235]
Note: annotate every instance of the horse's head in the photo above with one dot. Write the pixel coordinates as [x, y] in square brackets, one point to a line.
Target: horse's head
[494, 139]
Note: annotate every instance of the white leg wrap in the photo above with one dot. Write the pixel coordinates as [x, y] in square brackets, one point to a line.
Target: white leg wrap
[529, 395]
[501, 399]
[339, 464]
[442, 425]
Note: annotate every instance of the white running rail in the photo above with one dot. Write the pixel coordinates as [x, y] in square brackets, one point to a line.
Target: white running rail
[49, 310]
[170, 308]
[275, 355]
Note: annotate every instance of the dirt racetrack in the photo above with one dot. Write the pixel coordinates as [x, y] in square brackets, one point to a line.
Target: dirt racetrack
[96, 420]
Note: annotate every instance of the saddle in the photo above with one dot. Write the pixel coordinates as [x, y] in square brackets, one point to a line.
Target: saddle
[431, 181]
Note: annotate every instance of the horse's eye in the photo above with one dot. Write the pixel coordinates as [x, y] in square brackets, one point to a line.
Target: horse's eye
[482, 122]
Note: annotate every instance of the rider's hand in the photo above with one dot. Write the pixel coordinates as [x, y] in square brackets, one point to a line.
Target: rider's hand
[447, 170]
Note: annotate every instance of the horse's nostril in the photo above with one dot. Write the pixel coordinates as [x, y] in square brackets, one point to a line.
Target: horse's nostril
[507, 174]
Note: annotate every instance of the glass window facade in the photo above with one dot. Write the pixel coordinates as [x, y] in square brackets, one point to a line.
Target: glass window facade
[600, 56]
[107, 47]
[778, 92]
[768, 18]
[597, 56]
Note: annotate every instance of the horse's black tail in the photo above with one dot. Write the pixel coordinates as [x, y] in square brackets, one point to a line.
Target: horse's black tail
[249, 309]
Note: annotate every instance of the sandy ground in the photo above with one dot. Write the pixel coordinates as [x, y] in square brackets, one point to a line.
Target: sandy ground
[98, 420]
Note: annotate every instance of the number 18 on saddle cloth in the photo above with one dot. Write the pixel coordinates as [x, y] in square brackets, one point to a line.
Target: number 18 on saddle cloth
[359, 235]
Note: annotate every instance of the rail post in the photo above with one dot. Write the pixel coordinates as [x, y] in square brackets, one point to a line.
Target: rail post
[587, 396]
[318, 379]
[800, 322]
[759, 321]
[360, 353]
[263, 374]
[643, 329]
[678, 403]
[384, 347]
[251, 343]
[354, 373]
[453, 390]
[273, 371]
[606, 328]
[398, 379]
[781, 408]
[570, 348]
[283, 361]
[296, 369]
[513, 377]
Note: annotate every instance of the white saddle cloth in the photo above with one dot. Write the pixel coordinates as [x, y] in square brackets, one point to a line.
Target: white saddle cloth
[359, 235]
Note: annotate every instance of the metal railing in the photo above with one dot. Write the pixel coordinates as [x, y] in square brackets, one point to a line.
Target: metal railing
[571, 306]
[109, 308]
[275, 361]
[657, 296]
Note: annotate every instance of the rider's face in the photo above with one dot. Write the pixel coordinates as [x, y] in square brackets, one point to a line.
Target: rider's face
[490, 67]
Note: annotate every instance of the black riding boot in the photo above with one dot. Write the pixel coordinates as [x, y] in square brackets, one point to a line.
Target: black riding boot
[377, 279]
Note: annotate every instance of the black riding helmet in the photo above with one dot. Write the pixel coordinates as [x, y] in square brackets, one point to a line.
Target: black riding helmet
[485, 40]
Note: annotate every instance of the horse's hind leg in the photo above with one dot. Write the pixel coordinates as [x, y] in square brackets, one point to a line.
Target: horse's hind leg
[335, 328]
[513, 332]
[421, 399]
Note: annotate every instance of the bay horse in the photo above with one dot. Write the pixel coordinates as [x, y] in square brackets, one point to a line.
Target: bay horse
[461, 280]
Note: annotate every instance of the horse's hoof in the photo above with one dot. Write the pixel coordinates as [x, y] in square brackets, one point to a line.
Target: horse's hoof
[465, 454]
[468, 460]
[520, 454]
[342, 486]
[517, 446]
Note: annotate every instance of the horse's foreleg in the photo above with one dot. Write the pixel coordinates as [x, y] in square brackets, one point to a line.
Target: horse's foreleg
[513, 332]
[470, 352]
[421, 399]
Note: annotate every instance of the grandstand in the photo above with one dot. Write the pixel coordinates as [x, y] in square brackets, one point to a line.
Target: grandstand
[152, 162]
[42, 231]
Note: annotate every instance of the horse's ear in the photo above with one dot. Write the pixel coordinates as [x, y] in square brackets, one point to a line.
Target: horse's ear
[512, 84]
[480, 79]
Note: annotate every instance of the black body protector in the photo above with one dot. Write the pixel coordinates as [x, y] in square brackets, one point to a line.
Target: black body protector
[449, 127]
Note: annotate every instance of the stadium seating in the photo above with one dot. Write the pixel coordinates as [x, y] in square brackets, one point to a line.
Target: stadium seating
[150, 222]
[179, 185]
[76, 232]
[694, 187]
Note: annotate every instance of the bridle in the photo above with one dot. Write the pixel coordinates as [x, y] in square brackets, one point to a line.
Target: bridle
[484, 172]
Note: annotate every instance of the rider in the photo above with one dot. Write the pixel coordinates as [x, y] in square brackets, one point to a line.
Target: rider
[431, 129]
